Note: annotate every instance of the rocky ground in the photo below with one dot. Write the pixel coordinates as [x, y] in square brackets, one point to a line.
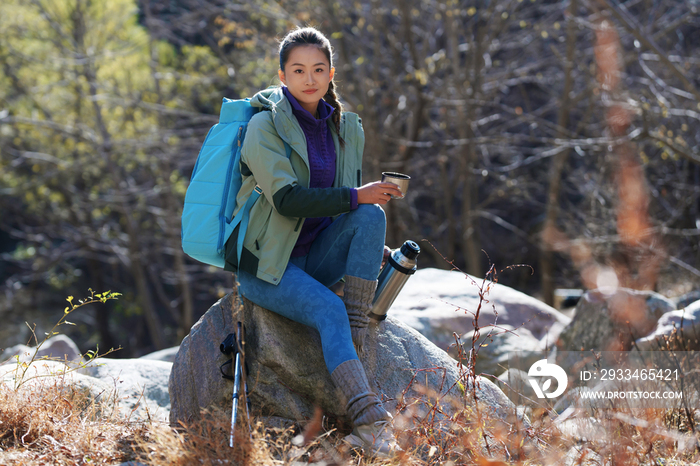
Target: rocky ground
[409, 358]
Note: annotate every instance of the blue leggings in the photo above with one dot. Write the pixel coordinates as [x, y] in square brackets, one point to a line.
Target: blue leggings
[352, 245]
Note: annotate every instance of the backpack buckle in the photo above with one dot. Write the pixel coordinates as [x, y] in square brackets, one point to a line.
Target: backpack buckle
[258, 189]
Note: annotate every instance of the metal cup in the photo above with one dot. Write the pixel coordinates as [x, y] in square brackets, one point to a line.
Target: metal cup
[398, 179]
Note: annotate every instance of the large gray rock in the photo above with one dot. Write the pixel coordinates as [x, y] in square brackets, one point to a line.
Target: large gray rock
[140, 385]
[58, 348]
[683, 323]
[113, 388]
[515, 384]
[46, 371]
[613, 321]
[496, 346]
[167, 354]
[195, 381]
[288, 376]
[687, 299]
[439, 303]
[136, 388]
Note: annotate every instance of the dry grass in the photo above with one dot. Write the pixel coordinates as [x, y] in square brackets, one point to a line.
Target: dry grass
[54, 423]
[653, 437]
[50, 422]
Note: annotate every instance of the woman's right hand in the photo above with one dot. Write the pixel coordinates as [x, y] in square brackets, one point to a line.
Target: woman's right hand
[377, 193]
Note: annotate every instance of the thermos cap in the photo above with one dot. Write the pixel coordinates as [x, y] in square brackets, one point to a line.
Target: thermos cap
[410, 249]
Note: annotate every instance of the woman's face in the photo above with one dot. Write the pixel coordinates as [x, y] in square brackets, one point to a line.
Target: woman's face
[307, 75]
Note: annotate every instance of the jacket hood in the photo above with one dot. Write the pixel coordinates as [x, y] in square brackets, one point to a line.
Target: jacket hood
[270, 99]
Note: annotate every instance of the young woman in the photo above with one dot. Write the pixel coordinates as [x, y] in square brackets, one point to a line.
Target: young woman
[315, 223]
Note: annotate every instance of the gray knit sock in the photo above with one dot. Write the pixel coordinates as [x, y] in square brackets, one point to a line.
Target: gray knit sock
[358, 297]
[363, 404]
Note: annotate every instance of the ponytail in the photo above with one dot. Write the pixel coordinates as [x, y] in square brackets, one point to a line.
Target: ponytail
[332, 98]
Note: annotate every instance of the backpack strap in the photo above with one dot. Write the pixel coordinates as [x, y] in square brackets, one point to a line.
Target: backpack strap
[243, 215]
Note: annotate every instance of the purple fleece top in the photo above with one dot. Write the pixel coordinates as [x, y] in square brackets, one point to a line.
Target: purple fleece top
[322, 156]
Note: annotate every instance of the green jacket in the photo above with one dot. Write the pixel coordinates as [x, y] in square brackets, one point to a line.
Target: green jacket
[277, 216]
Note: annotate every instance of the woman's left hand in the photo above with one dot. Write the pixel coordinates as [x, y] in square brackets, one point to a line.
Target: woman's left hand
[377, 193]
[387, 253]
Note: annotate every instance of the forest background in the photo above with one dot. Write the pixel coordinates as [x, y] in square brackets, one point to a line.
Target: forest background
[564, 135]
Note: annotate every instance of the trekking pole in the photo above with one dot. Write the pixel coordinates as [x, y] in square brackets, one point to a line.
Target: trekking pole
[229, 346]
[236, 387]
[244, 373]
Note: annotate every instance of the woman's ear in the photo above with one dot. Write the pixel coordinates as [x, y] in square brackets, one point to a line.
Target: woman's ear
[280, 73]
[332, 72]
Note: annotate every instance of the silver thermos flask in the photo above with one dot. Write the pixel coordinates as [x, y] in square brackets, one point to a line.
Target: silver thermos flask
[401, 264]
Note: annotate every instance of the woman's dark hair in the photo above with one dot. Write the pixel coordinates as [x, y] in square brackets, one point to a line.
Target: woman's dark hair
[311, 36]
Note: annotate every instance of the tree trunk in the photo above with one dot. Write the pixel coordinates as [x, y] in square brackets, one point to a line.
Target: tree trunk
[471, 247]
[547, 265]
[105, 147]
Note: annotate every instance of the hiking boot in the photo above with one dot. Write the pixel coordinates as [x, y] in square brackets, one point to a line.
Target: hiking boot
[362, 404]
[372, 423]
[377, 438]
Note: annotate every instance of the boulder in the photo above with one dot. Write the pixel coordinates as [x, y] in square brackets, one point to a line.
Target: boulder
[58, 348]
[687, 299]
[167, 354]
[195, 381]
[684, 323]
[566, 298]
[613, 321]
[439, 303]
[49, 372]
[515, 384]
[581, 455]
[496, 348]
[135, 388]
[140, 385]
[288, 376]
[585, 430]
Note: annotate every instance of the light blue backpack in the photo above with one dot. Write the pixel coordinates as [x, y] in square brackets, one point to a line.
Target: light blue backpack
[210, 199]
